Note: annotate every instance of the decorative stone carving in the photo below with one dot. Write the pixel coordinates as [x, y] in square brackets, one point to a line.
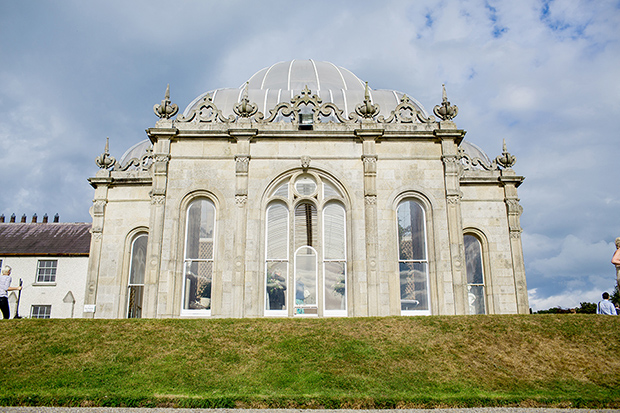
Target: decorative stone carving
[370, 164]
[206, 111]
[166, 109]
[469, 163]
[370, 199]
[142, 164]
[367, 110]
[506, 160]
[105, 161]
[305, 162]
[242, 163]
[245, 109]
[399, 114]
[241, 200]
[453, 199]
[445, 111]
[99, 207]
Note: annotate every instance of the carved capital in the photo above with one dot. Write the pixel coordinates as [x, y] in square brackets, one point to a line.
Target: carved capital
[96, 232]
[453, 199]
[370, 199]
[241, 200]
[242, 163]
[99, 207]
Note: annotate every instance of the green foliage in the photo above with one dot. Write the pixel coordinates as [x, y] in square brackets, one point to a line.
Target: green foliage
[392, 362]
[586, 308]
[615, 297]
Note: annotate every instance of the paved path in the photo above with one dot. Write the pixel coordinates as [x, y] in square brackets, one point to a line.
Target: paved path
[168, 410]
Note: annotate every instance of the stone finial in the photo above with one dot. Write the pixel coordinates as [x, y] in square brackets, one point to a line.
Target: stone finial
[166, 109]
[105, 161]
[244, 108]
[445, 111]
[506, 160]
[367, 110]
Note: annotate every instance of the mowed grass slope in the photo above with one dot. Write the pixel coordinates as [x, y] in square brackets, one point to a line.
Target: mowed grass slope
[394, 362]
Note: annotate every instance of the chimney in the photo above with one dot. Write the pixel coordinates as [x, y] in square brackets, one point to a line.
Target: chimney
[2, 218]
[24, 219]
[56, 218]
[34, 219]
[12, 218]
[45, 219]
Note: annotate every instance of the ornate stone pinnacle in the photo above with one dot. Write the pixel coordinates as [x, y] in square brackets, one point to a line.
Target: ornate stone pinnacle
[506, 160]
[245, 109]
[445, 111]
[105, 161]
[166, 109]
[367, 110]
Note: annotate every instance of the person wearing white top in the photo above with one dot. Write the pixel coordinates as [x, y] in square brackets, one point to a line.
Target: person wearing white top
[5, 287]
[605, 306]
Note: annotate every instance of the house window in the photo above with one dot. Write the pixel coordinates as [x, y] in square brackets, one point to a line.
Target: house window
[46, 271]
[412, 259]
[198, 264]
[475, 274]
[306, 220]
[137, 271]
[40, 311]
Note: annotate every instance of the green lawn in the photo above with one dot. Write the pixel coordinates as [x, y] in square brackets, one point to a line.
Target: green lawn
[394, 362]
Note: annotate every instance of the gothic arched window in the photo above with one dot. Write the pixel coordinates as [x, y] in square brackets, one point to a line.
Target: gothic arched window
[137, 272]
[413, 258]
[475, 274]
[305, 262]
[198, 260]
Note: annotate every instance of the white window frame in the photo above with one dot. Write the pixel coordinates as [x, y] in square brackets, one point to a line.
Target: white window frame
[53, 269]
[47, 311]
[414, 261]
[129, 280]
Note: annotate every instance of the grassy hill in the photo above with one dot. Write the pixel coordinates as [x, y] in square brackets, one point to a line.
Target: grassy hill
[394, 362]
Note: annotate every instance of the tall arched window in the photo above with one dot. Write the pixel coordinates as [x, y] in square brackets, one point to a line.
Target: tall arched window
[412, 258]
[198, 263]
[306, 220]
[137, 271]
[475, 274]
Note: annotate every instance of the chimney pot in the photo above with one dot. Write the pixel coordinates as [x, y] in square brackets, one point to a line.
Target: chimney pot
[45, 219]
[34, 219]
[12, 218]
[56, 218]
[24, 219]
[2, 218]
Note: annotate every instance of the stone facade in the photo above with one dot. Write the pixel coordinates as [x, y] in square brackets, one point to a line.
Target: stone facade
[304, 211]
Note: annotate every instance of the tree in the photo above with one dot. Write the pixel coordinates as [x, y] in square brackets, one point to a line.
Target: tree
[586, 308]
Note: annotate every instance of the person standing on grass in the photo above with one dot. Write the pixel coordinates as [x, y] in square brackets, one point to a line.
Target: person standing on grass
[5, 287]
[605, 306]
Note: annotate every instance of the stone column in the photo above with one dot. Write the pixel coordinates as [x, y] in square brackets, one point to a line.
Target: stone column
[242, 164]
[450, 138]
[101, 183]
[161, 157]
[374, 282]
[511, 181]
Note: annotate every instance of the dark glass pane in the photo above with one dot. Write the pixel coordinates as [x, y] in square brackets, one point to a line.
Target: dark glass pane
[277, 282]
[413, 286]
[475, 295]
[411, 231]
[335, 286]
[198, 278]
[473, 260]
[138, 260]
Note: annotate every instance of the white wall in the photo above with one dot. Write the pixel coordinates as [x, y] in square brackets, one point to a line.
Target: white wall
[70, 277]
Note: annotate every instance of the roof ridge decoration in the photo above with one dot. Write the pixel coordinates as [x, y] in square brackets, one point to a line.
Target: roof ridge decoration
[470, 163]
[506, 160]
[166, 109]
[445, 111]
[142, 164]
[405, 112]
[105, 160]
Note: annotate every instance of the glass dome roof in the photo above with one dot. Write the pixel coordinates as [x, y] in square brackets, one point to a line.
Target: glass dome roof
[282, 81]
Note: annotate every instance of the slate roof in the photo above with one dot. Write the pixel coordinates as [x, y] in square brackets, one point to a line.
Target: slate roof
[44, 239]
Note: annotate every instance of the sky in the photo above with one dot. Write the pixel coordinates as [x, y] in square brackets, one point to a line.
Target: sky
[541, 74]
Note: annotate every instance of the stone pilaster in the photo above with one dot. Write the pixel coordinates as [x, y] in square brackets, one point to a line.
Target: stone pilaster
[161, 138]
[101, 183]
[369, 160]
[514, 210]
[242, 168]
[450, 138]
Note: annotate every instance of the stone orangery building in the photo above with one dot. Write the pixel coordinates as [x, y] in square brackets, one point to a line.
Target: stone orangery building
[304, 193]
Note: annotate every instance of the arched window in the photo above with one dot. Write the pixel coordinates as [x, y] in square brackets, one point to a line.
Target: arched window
[475, 274]
[313, 207]
[412, 258]
[198, 262]
[137, 272]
